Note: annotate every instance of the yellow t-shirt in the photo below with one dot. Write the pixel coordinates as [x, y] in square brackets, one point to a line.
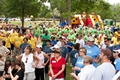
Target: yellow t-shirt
[7, 42]
[102, 38]
[114, 39]
[18, 41]
[12, 36]
[96, 41]
[33, 42]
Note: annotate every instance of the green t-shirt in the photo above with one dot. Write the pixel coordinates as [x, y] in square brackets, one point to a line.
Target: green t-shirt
[45, 37]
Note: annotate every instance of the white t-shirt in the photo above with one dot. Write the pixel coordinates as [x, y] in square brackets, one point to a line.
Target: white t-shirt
[28, 61]
[105, 71]
[41, 57]
[81, 42]
[87, 72]
[59, 44]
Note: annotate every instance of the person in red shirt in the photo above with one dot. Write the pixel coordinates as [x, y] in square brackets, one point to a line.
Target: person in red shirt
[57, 66]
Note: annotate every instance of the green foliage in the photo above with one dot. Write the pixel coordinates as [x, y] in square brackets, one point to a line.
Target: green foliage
[15, 8]
[2, 2]
[44, 11]
[100, 7]
[116, 10]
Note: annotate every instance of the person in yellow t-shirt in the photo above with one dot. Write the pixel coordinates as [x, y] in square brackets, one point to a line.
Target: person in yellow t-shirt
[17, 42]
[7, 41]
[114, 40]
[117, 41]
[33, 42]
[12, 36]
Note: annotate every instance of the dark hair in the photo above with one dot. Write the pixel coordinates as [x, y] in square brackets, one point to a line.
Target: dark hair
[107, 52]
[0, 56]
[29, 47]
[48, 40]
[19, 63]
[25, 38]
[76, 46]
[112, 59]
[7, 65]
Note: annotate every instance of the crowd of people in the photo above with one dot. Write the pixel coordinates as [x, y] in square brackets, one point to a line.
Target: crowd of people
[93, 54]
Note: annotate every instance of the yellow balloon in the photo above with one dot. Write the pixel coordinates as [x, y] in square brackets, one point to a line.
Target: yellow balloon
[31, 16]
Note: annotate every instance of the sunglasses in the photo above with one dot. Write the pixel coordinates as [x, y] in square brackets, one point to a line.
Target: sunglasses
[105, 41]
[115, 52]
[26, 60]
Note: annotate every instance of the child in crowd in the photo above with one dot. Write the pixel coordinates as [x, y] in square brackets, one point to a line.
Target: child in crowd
[1, 67]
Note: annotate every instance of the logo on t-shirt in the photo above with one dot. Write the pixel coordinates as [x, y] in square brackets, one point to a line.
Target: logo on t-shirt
[53, 61]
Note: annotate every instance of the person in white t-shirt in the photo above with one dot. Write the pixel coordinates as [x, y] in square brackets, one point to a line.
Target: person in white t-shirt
[80, 40]
[30, 61]
[87, 72]
[39, 70]
[106, 70]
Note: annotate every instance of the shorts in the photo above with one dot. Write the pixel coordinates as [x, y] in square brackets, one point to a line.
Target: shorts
[29, 76]
[1, 73]
[50, 78]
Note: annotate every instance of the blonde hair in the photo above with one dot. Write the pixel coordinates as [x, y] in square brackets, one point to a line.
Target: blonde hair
[88, 59]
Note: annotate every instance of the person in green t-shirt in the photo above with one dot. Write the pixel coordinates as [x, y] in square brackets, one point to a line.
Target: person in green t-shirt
[45, 37]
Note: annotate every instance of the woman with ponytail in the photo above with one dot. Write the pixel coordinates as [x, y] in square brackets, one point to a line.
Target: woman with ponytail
[19, 66]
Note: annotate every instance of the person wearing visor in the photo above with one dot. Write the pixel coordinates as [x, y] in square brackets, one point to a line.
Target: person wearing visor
[57, 65]
[40, 68]
[116, 55]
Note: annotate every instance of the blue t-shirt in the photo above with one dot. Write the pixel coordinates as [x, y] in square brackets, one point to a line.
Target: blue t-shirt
[23, 45]
[53, 42]
[64, 51]
[70, 44]
[73, 56]
[79, 62]
[94, 52]
[117, 64]
[47, 49]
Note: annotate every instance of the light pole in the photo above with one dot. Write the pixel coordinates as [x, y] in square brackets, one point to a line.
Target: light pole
[115, 14]
[115, 19]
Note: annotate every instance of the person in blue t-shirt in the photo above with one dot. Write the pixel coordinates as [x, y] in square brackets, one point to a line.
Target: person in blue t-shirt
[64, 50]
[69, 45]
[116, 55]
[24, 44]
[47, 50]
[92, 51]
[53, 41]
[74, 54]
[79, 63]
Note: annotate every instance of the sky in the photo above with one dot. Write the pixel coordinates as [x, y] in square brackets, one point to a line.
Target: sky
[113, 1]
[110, 1]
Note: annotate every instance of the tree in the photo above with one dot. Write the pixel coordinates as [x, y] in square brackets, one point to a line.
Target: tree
[103, 9]
[116, 10]
[44, 10]
[22, 8]
[2, 2]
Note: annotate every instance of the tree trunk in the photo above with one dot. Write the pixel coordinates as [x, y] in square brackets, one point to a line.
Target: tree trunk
[23, 8]
[53, 16]
[61, 17]
[69, 11]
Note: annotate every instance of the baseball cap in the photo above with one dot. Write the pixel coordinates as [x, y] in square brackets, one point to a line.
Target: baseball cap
[90, 39]
[39, 46]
